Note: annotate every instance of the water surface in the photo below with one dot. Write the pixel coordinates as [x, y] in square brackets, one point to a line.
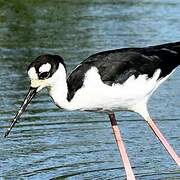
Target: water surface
[51, 144]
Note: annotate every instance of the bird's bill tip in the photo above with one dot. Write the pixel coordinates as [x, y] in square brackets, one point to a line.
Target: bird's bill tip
[31, 93]
[7, 132]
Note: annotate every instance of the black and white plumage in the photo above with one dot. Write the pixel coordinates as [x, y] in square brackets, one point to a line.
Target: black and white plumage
[116, 66]
[114, 80]
[121, 79]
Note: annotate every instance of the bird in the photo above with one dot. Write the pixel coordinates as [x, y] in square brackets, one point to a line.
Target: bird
[108, 81]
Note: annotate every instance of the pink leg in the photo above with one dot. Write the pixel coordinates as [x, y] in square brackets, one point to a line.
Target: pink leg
[163, 140]
[121, 147]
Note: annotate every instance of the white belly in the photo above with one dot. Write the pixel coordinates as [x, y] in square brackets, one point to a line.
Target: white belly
[95, 95]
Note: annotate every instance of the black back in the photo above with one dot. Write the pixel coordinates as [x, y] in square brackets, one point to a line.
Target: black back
[116, 66]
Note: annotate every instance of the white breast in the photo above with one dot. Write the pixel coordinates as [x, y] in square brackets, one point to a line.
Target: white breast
[94, 94]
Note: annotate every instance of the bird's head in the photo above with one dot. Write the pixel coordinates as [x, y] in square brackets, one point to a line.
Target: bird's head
[43, 72]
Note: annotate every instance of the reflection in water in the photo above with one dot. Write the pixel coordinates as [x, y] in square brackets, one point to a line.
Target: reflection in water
[48, 143]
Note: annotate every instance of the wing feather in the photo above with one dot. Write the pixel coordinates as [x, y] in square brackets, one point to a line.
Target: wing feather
[116, 66]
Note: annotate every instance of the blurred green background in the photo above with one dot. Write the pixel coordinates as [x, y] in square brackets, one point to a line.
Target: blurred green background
[48, 143]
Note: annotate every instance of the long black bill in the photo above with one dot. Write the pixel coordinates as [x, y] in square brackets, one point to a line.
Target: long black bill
[31, 93]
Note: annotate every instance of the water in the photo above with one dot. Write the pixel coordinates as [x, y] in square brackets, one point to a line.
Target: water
[48, 143]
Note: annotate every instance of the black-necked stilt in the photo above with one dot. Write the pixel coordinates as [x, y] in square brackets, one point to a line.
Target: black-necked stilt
[114, 80]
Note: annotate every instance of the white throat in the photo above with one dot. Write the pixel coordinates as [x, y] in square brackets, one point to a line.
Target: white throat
[58, 88]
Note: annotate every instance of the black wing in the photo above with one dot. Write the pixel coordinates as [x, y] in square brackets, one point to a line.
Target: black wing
[116, 66]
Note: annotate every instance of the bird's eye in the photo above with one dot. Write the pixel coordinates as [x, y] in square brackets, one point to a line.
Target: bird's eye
[44, 75]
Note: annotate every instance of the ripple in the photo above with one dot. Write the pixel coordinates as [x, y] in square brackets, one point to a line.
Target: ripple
[47, 143]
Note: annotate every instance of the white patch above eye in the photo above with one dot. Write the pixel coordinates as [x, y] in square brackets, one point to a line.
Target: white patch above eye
[45, 68]
[32, 73]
